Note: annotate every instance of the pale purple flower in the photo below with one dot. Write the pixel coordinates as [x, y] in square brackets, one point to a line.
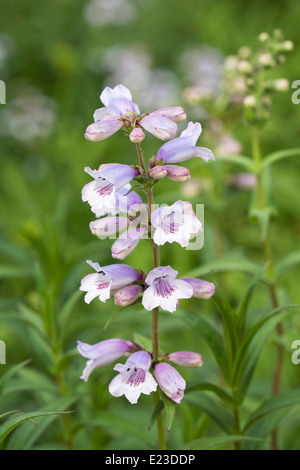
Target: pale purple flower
[185, 358]
[108, 226]
[105, 279]
[134, 377]
[170, 381]
[119, 111]
[184, 147]
[101, 192]
[102, 354]
[177, 173]
[176, 223]
[201, 289]
[127, 242]
[127, 295]
[164, 289]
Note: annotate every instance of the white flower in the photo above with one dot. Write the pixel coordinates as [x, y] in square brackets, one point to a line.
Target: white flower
[176, 223]
[164, 289]
[134, 377]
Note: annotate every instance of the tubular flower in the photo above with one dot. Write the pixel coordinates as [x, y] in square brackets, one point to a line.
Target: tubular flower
[201, 289]
[184, 147]
[119, 111]
[164, 289]
[108, 226]
[176, 223]
[102, 354]
[108, 278]
[170, 381]
[101, 193]
[134, 377]
[127, 242]
[127, 295]
[185, 358]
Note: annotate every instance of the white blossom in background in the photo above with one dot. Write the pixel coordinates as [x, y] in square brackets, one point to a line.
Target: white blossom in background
[29, 116]
[109, 12]
[133, 66]
[202, 69]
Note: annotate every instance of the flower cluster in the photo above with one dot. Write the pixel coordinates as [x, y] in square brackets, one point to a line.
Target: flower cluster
[120, 210]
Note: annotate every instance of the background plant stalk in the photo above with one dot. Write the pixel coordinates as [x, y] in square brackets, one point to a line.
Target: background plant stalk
[269, 258]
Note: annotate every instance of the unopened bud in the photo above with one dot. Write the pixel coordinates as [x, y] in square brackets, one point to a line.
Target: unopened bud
[158, 172]
[266, 60]
[201, 289]
[245, 67]
[136, 135]
[185, 358]
[127, 295]
[281, 84]
[288, 46]
[250, 101]
[263, 37]
[178, 174]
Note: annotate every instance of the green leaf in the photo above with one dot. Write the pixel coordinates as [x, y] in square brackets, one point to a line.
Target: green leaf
[170, 409]
[211, 336]
[146, 343]
[207, 443]
[11, 424]
[229, 320]
[282, 400]
[25, 438]
[10, 373]
[241, 160]
[244, 303]
[228, 263]
[243, 358]
[14, 272]
[112, 317]
[156, 412]
[263, 217]
[205, 386]
[286, 263]
[208, 406]
[279, 155]
[8, 413]
[116, 425]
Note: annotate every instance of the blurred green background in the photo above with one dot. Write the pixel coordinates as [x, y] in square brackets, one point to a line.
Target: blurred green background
[55, 58]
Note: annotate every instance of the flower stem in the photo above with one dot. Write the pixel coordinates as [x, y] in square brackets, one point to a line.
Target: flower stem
[269, 258]
[155, 312]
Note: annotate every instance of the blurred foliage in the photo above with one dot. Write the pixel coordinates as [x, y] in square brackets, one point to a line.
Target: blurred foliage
[54, 72]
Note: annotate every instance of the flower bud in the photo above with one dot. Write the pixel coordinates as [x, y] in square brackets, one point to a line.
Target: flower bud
[263, 37]
[201, 289]
[281, 84]
[170, 381]
[158, 172]
[127, 295]
[287, 46]
[266, 60]
[245, 67]
[250, 101]
[178, 174]
[185, 358]
[136, 135]
[108, 226]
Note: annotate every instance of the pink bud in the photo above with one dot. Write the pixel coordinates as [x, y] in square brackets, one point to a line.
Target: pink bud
[158, 172]
[137, 135]
[177, 173]
[170, 381]
[201, 289]
[108, 226]
[185, 358]
[127, 295]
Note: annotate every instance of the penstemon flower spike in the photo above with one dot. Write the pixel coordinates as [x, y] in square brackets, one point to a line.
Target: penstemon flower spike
[119, 209]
